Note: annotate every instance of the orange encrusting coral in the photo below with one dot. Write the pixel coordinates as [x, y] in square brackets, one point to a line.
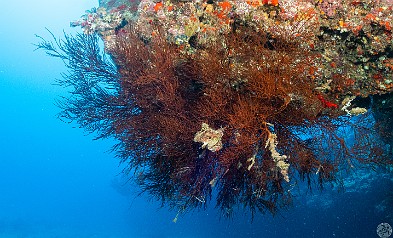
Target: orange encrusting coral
[257, 3]
[272, 2]
[158, 6]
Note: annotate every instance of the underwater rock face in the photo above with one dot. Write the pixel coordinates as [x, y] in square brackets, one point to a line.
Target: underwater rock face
[353, 38]
[283, 84]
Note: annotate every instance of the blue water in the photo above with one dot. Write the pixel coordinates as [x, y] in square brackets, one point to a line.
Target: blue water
[55, 181]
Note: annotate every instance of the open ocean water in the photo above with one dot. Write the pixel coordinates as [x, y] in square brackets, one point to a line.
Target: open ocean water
[56, 182]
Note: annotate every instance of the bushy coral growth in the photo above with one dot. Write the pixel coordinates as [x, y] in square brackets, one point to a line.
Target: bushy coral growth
[244, 115]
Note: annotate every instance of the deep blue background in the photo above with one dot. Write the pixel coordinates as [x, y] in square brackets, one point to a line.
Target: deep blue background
[57, 182]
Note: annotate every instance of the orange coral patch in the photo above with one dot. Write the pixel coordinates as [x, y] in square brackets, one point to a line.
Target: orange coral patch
[226, 6]
[253, 3]
[158, 6]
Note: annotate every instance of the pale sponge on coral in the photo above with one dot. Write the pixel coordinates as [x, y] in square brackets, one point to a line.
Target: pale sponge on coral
[283, 166]
[210, 138]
